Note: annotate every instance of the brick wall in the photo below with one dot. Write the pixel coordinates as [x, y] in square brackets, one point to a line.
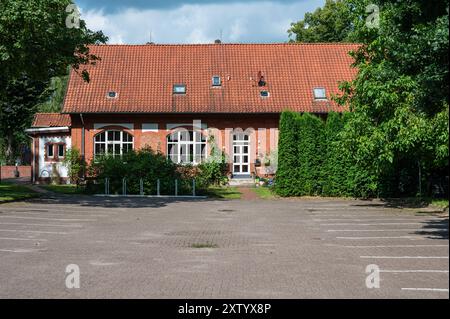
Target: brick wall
[8, 172]
[224, 123]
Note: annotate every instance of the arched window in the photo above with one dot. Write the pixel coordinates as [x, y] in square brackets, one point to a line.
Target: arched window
[185, 146]
[113, 143]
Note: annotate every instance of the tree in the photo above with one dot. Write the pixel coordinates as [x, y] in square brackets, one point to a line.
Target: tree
[17, 106]
[35, 40]
[54, 94]
[36, 45]
[399, 98]
[332, 23]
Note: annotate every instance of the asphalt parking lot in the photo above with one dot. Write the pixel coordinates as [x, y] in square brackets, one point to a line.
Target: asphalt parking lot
[160, 248]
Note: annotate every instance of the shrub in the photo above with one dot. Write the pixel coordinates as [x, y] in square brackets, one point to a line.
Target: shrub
[143, 164]
[212, 173]
[75, 165]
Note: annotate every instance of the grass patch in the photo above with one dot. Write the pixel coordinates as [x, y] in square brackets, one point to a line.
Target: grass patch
[204, 245]
[12, 192]
[443, 203]
[64, 189]
[223, 192]
[264, 192]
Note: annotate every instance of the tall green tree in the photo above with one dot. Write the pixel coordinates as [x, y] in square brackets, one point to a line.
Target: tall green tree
[399, 98]
[331, 23]
[39, 39]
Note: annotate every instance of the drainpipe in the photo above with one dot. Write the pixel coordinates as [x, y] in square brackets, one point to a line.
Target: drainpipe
[82, 142]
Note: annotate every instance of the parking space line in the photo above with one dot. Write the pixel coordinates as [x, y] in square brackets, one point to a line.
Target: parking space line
[77, 214]
[427, 289]
[404, 257]
[21, 250]
[392, 246]
[33, 231]
[384, 237]
[372, 219]
[382, 230]
[55, 225]
[415, 271]
[371, 224]
[45, 218]
[30, 239]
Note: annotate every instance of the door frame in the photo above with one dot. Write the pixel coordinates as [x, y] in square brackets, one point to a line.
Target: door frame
[240, 144]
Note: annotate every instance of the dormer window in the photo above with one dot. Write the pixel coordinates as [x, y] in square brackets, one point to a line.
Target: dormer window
[112, 94]
[216, 81]
[320, 94]
[179, 89]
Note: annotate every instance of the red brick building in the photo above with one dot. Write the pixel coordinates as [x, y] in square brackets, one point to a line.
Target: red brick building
[174, 98]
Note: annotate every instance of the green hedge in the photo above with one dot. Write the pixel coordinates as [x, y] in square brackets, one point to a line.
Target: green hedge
[314, 160]
[310, 154]
[288, 161]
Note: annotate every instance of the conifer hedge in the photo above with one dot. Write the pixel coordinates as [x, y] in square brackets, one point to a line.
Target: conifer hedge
[311, 154]
[316, 158]
[288, 161]
[311, 158]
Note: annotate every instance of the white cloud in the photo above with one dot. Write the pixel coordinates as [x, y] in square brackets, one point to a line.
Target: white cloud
[239, 22]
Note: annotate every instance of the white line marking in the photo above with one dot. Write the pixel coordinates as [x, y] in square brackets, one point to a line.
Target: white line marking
[415, 271]
[43, 218]
[404, 257]
[427, 289]
[30, 239]
[20, 250]
[382, 230]
[56, 225]
[34, 231]
[372, 219]
[385, 237]
[67, 214]
[372, 224]
[393, 246]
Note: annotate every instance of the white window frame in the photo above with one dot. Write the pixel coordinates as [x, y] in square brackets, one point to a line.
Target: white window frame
[175, 91]
[107, 142]
[216, 84]
[316, 97]
[187, 143]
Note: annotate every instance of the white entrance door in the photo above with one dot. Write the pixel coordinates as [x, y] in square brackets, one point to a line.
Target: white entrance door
[241, 154]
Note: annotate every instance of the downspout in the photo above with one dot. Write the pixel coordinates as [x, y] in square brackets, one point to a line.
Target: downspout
[82, 143]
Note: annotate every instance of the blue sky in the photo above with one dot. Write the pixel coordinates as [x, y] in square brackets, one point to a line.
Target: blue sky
[194, 21]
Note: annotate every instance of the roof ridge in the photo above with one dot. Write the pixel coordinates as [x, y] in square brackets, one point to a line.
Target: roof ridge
[226, 44]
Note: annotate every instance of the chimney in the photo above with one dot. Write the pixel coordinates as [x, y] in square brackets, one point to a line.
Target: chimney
[217, 41]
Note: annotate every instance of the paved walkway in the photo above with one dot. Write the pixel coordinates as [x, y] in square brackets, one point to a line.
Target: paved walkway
[247, 193]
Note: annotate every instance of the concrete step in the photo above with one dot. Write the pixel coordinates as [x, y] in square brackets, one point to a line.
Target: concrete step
[242, 182]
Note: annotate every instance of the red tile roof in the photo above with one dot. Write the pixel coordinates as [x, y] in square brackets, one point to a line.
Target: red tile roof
[51, 120]
[143, 77]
